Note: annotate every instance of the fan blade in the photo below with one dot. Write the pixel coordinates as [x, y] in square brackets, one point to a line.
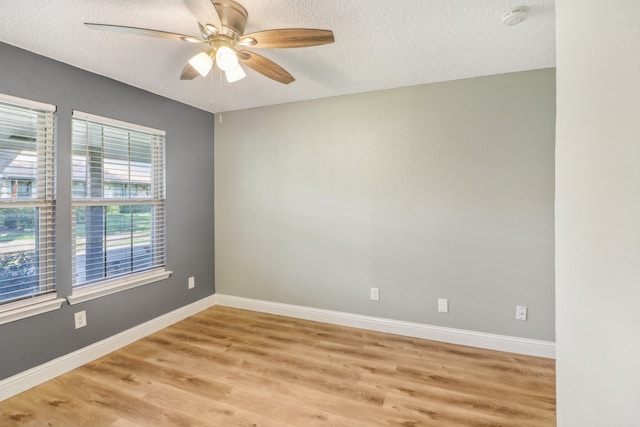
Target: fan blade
[144, 32]
[265, 66]
[204, 11]
[189, 73]
[288, 37]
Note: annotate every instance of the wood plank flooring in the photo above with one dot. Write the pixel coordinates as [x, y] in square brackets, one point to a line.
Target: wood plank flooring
[229, 367]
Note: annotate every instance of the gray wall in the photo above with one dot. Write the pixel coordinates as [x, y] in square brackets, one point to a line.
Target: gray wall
[598, 213]
[443, 190]
[190, 234]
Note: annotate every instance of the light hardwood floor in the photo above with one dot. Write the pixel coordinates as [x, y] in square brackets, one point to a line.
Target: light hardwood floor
[229, 367]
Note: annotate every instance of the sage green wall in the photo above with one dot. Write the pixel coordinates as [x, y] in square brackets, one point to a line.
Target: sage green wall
[443, 190]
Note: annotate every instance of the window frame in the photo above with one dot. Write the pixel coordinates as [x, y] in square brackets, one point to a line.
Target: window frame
[47, 298]
[109, 285]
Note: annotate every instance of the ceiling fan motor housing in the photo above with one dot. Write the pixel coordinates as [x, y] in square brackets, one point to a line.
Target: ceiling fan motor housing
[233, 17]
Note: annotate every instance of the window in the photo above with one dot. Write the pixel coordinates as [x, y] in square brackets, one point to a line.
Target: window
[117, 206]
[27, 208]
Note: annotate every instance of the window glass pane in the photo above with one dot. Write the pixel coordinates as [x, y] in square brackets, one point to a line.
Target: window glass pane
[111, 241]
[18, 255]
[79, 189]
[18, 154]
[111, 162]
[79, 175]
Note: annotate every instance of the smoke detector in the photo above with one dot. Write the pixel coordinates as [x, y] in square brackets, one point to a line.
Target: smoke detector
[515, 16]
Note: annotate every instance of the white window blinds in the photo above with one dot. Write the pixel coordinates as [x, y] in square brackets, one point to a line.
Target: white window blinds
[27, 199]
[118, 199]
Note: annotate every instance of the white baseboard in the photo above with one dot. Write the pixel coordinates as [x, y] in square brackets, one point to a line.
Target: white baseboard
[25, 380]
[32, 377]
[418, 330]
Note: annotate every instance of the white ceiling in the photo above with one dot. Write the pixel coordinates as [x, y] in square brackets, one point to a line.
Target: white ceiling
[379, 44]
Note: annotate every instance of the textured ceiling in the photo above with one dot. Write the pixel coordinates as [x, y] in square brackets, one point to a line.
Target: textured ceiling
[379, 44]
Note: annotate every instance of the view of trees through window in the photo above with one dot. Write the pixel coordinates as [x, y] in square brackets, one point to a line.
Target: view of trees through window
[18, 257]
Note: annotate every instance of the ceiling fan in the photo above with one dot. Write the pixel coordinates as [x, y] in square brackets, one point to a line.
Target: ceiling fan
[221, 24]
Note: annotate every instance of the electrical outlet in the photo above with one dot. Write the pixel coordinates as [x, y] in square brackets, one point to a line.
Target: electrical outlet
[80, 319]
[521, 313]
[443, 305]
[375, 294]
[192, 282]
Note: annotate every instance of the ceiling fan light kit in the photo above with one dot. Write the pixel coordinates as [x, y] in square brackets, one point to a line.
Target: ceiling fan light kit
[222, 24]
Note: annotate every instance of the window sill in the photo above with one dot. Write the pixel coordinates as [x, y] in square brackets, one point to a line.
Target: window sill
[31, 307]
[113, 286]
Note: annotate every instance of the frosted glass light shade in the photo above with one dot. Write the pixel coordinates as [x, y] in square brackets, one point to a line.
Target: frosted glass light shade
[202, 62]
[226, 58]
[234, 74]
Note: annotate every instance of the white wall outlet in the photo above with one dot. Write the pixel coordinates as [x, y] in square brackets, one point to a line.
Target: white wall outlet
[80, 319]
[192, 282]
[443, 305]
[521, 312]
[375, 294]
